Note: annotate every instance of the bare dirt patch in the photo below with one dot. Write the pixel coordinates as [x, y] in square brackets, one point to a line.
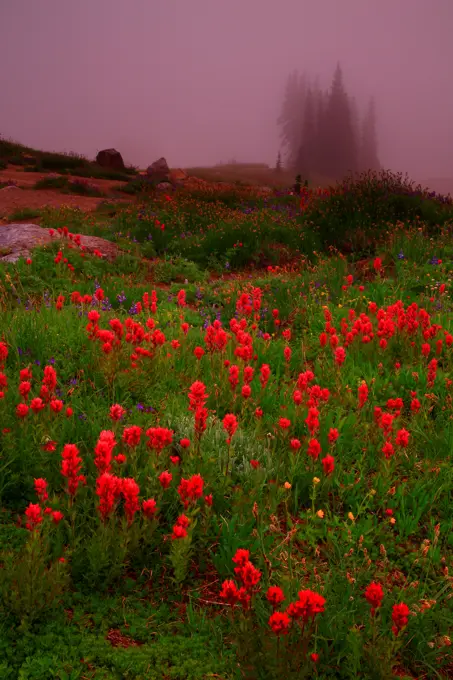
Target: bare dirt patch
[24, 196]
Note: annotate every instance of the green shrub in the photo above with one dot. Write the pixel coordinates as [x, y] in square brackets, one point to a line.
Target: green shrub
[177, 269]
[51, 183]
[357, 213]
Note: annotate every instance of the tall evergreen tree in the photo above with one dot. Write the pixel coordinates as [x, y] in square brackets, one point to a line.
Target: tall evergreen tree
[290, 119]
[340, 143]
[306, 159]
[368, 153]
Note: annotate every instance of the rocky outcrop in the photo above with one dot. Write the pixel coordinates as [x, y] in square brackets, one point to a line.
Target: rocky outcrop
[18, 240]
[110, 158]
[158, 171]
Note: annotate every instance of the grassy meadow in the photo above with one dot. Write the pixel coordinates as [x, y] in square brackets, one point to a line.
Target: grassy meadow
[227, 453]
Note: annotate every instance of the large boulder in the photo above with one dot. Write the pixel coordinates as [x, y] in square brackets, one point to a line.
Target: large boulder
[18, 240]
[110, 158]
[158, 171]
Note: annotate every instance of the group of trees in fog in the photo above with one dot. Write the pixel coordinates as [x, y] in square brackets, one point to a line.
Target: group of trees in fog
[323, 132]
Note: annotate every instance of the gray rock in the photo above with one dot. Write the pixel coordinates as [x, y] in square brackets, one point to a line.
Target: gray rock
[166, 186]
[17, 240]
[110, 158]
[158, 171]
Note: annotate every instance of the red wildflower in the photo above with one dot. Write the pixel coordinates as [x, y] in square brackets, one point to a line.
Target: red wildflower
[314, 449]
[197, 395]
[388, 450]
[183, 521]
[130, 491]
[149, 508]
[37, 404]
[275, 595]
[426, 348]
[56, 405]
[333, 435]
[201, 417]
[249, 575]
[190, 490]
[374, 595]
[258, 413]
[328, 464]
[178, 532]
[208, 500]
[312, 420]
[230, 424]
[255, 464]
[132, 435]
[41, 489]
[402, 438]
[50, 378]
[233, 376]
[70, 467]
[108, 488]
[340, 356]
[24, 388]
[246, 391]
[57, 516]
[362, 394]
[284, 423]
[415, 405]
[33, 515]
[49, 446]
[165, 479]
[159, 438]
[117, 412]
[25, 374]
[280, 623]
[21, 410]
[265, 373]
[295, 444]
[241, 557]
[198, 352]
[103, 451]
[400, 617]
[184, 443]
[229, 592]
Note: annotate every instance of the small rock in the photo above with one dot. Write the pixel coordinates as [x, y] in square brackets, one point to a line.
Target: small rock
[158, 171]
[110, 158]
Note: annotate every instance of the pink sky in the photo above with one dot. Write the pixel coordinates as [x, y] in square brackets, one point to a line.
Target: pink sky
[201, 81]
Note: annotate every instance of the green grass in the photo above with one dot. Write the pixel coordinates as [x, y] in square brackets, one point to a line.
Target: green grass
[23, 214]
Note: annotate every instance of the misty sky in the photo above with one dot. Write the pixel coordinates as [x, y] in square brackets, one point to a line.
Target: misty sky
[201, 81]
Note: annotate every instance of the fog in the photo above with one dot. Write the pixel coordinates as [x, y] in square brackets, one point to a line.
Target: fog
[202, 81]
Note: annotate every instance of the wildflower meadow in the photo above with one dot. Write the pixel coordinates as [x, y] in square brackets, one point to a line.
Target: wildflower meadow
[226, 453]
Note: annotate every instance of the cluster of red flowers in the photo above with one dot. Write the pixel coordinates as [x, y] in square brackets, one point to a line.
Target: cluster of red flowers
[374, 595]
[248, 574]
[308, 605]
